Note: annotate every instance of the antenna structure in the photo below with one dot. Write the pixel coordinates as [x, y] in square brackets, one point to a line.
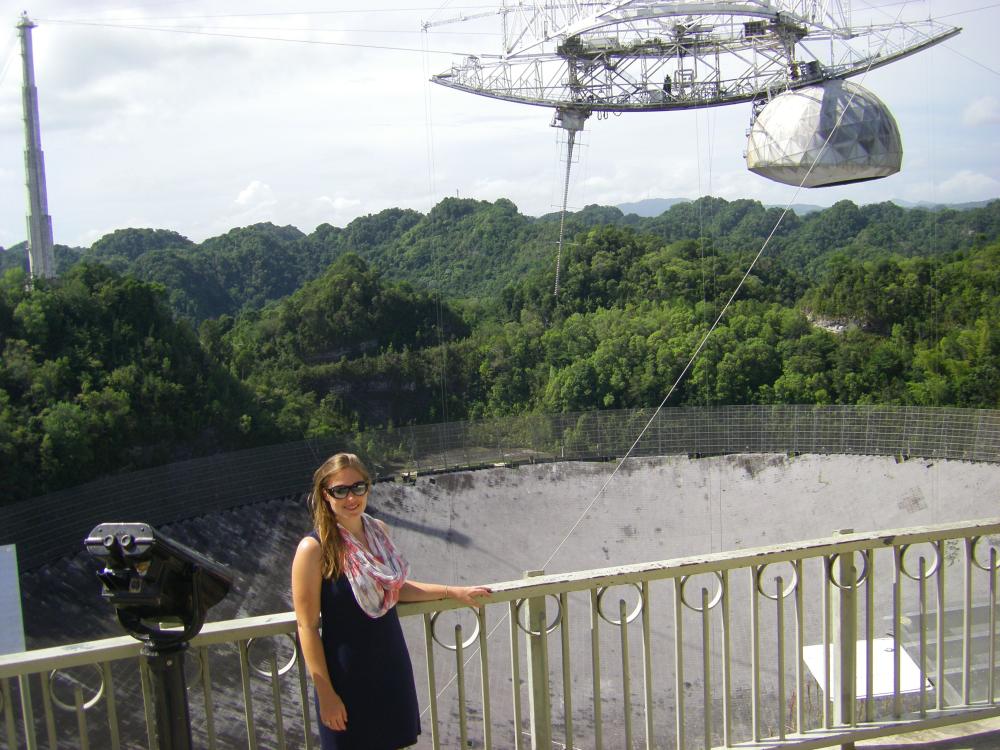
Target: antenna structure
[662, 55]
[41, 259]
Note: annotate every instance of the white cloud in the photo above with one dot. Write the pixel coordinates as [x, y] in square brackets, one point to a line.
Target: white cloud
[338, 204]
[89, 236]
[256, 195]
[201, 133]
[532, 197]
[963, 186]
[967, 185]
[337, 210]
[983, 111]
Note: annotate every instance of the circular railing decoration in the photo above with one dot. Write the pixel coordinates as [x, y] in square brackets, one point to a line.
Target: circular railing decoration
[281, 670]
[904, 548]
[715, 599]
[759, 581]
[197, 675]
[994, 556]
[548, 628]
[57, 673]
[451, 646]
[831, 576]
[630, 616]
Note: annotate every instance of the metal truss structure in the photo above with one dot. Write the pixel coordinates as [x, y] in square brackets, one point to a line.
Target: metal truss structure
[660, 55]
[582, 58]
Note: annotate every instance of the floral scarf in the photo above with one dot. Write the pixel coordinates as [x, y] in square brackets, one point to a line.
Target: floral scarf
[377, 576]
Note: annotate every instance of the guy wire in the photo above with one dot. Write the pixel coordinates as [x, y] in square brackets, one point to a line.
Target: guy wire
[252, 37]
[694, 356]
[9, 56]
[718, 318]
[670, 392]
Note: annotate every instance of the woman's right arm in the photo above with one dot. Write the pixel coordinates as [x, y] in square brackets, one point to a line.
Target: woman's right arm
[307, 578]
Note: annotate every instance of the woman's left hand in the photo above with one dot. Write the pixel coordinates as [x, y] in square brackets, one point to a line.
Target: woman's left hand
[468, 595]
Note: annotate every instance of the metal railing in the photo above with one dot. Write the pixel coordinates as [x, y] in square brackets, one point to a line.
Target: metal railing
[808, 644]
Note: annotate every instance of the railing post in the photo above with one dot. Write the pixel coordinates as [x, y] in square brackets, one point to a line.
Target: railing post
[538, 671]
[845, 639]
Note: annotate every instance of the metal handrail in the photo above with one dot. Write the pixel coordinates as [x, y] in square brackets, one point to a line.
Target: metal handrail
[706, 642]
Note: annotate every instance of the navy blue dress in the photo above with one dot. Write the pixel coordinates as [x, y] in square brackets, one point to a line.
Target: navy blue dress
[370, 670]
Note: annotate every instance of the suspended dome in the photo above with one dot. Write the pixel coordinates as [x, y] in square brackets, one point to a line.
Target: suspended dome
[788, 135]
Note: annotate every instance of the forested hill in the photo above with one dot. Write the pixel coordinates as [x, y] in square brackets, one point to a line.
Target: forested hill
[266, 334]
[473, 249]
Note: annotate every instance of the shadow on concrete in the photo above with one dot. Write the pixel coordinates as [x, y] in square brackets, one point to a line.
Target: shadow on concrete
[448, 535]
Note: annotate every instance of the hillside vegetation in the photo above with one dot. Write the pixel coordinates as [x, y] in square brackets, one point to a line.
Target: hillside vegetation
[149, 347]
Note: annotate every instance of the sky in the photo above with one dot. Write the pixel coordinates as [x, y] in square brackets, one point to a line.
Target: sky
[207, 115]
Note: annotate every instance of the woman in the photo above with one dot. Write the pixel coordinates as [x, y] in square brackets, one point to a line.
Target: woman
[349, 571]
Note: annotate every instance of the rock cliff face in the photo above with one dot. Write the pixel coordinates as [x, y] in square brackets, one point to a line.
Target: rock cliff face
[493, 525]
[839, 325]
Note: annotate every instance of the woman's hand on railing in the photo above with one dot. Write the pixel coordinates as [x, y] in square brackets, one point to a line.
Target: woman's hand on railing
[471, 596]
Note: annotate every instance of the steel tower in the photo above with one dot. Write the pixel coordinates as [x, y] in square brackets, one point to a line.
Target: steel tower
[41, 260]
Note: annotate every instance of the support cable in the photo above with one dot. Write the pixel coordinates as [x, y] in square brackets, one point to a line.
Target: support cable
[571, 142]
[680, 377]
[701, 221]
[438, 266]
[718, 319]
[9, 56]
[280, 13]
[670, 392]
[253, 37]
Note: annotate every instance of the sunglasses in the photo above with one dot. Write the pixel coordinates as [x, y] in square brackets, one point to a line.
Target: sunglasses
[340, 491]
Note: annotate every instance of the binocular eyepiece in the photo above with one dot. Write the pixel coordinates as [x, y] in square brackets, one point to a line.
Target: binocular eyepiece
[152, 581]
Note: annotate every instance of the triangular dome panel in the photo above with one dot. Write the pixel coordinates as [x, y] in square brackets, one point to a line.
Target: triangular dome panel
[825, 134]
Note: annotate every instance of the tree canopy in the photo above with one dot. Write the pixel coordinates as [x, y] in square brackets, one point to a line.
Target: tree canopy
[96, 376]
[149, 347]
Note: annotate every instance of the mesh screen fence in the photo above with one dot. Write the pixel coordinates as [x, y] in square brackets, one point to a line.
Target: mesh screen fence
[48, 527]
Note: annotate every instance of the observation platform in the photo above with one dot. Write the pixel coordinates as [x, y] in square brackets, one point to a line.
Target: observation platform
[712, 655]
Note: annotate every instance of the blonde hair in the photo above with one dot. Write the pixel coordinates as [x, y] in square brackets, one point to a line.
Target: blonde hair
[324, 521]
